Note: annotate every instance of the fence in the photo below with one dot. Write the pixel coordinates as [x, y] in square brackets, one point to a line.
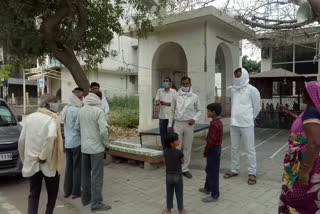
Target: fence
[294, 103]
[271, 115]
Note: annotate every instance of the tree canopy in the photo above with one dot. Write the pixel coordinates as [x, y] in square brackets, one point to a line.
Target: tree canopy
[252, 66]
[67, 29]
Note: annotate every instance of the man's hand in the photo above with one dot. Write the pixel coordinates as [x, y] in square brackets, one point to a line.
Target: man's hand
[41, 161]
[165, 103]
[158, 102]
[170, 129]
[205, 153]
[284, 109]
[191, 122]
[303, 178]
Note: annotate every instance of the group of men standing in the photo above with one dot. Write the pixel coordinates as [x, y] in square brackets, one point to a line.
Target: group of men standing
[179, 110]
[86, 135]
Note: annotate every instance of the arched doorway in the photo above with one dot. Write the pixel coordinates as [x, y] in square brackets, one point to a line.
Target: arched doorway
[169, 60]
[223, 67]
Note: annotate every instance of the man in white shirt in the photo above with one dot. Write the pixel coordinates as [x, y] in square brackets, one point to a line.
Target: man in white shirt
[245, 108]
[163, 99]
[95, 87]
[185, 111]
[41, 152]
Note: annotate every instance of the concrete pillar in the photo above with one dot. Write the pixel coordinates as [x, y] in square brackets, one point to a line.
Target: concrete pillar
[195, 56]
[146, 52]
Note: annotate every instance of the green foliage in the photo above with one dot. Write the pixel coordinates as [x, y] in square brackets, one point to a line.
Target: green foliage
[251, 65]
[5, 72]
[20, 22]
[124, 102]
[124, 112]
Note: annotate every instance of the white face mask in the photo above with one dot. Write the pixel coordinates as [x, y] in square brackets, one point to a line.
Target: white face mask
[185, 89]
[55, 107]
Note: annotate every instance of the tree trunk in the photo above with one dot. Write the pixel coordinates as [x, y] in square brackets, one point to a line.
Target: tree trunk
[315, 5]
[60, 50]
[67, 57]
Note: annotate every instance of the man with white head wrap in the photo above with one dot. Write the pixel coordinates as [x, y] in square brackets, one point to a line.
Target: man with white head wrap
[72, 178]
[245, 108]
[94, 137]
[41, 152]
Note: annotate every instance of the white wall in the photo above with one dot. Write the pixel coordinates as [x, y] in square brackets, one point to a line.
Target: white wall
[126, 54]
[111, 84]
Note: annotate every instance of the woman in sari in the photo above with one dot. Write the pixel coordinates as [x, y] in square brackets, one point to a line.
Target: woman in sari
[301, 180]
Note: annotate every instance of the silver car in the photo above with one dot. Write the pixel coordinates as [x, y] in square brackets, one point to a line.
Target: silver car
[10, 129]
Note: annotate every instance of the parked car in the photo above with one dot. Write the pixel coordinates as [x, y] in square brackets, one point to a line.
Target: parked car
[10, 129]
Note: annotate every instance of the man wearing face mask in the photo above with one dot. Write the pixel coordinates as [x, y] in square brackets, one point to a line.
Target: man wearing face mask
[185, 111]
[41, 152]
[245, 108]
[72, 178]
[163, 99]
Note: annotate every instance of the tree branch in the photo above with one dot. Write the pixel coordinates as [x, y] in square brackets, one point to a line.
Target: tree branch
[274, 20]
[275, 26]
[208, 2]
[82, 26]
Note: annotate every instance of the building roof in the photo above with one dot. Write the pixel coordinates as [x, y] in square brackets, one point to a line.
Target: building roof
[275, 73]
[288, 37]
[210, 12]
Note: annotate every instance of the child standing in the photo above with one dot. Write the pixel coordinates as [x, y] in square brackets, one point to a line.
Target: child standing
[174, 181]
[213, 152]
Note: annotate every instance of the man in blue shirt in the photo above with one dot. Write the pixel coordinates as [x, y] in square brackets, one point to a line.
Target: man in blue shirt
[72, 181]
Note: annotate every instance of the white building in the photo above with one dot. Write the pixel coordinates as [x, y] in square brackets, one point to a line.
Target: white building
[117, 75]
[200, 44]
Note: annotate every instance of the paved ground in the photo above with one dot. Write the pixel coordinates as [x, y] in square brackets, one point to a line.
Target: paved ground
[132, 190]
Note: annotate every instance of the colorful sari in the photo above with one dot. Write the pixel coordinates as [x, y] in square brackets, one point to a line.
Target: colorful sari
[294, 198]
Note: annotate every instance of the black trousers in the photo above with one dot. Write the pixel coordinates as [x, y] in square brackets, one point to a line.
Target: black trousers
[72, 178]
[52, 185]
[174, 183]
[163, 127]
[212, 169]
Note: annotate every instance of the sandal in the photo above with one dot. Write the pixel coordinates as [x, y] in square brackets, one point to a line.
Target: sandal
[75, 196]
[166, 211]
[230, 175]
[252, 180]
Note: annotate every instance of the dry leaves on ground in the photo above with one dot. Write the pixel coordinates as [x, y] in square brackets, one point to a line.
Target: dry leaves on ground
[116, 132]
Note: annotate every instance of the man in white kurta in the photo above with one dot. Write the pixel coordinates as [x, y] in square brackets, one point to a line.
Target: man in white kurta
[245, 108]
[185, 111]
[38, 140]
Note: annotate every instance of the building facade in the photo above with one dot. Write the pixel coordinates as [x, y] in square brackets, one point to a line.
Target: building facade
[204, 44]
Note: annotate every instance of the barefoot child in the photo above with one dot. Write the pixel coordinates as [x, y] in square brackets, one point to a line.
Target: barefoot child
[174, 181]
[213, 152]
